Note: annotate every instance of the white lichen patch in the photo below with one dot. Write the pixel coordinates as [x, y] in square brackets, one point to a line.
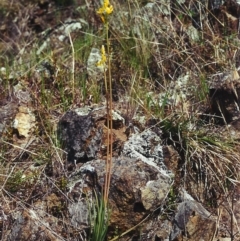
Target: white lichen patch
[192, 33]
[83, 111]
[147, 147]
[88, 168]
[117, 117]
[68, 28]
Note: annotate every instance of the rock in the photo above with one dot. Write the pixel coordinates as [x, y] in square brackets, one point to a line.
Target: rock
[41, 222]
[139, 183]
[147, 147]
[34, 224]
[184, 196]
[171, 158]
[224, 96]
[81, 184]
[137, 188]
[79, 135]
[180, 93]
[192, 222]
[24, 122]
[192, 33]
[23, 95]
[79, 214]
[158, 230]
[83, 133]
[154, 193]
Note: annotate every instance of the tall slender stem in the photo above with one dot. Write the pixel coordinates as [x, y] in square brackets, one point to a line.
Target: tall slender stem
[109, 120]
[108, 140]
[108, 87]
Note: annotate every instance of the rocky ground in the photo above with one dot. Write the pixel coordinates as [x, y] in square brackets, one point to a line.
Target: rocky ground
[175, 74]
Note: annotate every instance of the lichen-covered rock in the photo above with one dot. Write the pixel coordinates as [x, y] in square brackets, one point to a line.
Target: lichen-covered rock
[154, 193]
[139, 183]
[147, 147]
[137, 188]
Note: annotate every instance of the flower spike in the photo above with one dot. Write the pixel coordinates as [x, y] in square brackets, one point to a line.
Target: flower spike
[105, 10]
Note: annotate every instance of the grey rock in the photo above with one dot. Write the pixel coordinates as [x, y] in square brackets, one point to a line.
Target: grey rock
[79, 214]
[79, 136]
[137, 188]
[34, 225]
[192, 221]
[147, 147]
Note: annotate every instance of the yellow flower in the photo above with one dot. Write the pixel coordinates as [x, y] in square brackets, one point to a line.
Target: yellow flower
[105, 10]
[103, 57]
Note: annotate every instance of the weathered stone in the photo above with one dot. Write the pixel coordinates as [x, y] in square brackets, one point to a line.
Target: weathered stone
[193, 33]
[24, 122]
[139, 183]
[137, 188]
[157, 229]
[79, 213]
[154, 193]
[171, 158]
[192, 222]
[24, 125]
[147, 147]
[179, 93]
[23, 95]
[80, 137]
[83, 131]
[224, 96]
[34, 224]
